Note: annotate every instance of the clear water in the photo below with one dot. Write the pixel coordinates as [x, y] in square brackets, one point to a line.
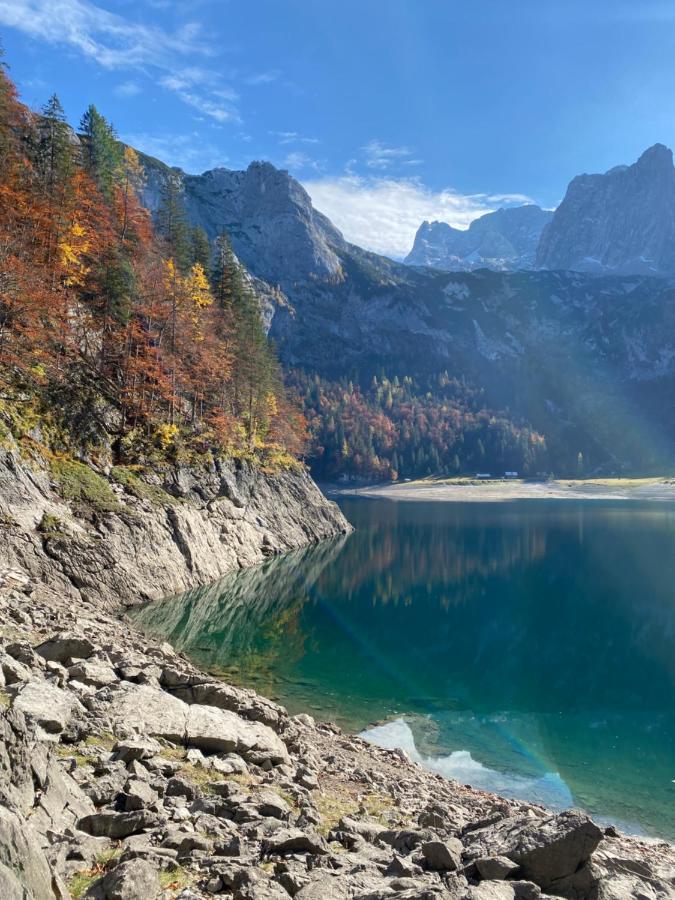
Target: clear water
[525, 647]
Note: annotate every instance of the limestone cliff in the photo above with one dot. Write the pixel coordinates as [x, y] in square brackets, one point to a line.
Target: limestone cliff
[150, 539]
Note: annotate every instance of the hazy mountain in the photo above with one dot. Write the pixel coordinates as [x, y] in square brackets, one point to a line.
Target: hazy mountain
[504, 240]
[622, 222]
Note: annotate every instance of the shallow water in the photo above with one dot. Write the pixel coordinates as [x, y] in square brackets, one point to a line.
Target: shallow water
[525, 647]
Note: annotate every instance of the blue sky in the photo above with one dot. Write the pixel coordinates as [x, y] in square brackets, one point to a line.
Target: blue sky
[389, 111]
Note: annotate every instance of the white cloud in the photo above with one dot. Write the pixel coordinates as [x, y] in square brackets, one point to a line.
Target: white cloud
[292, 137]
[383, 214]
[379, 156]
[116, 43]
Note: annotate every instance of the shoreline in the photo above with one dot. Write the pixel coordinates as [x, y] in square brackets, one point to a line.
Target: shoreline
[155, 773]
[499, 491]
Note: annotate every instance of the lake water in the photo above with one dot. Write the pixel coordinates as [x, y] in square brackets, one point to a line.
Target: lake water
[524, 647]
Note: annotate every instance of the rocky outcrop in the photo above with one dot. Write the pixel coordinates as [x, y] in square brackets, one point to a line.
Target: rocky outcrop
[503, 240]
[180, 528]
[153, 786]
[274, 229]
[622, 222]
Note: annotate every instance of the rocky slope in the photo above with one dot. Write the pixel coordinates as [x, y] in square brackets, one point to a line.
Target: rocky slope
[123, 536]
[622, 222]
[504, 240]
[125, 774]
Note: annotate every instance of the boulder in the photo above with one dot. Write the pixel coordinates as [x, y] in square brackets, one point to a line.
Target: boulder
[64, 647]
[95, 673]
[495, 867]
[443, 856]
[136, 879]
[47, 706]
[151, 711]
[546, 849]
[24, 872]
[293, 840]
[117, 825]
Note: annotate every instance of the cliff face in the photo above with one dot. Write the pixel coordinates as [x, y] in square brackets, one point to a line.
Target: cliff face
[622, 222]
[188, 528]
[504, 240]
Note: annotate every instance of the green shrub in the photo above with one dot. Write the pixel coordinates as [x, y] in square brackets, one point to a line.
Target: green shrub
[81, 484]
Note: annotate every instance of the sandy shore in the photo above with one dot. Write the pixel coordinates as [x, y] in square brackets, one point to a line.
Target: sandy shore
[467, 490]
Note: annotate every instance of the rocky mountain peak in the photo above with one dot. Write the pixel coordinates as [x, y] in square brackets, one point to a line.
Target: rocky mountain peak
[274, 229]
[503, 240]
[622, 222]
[657, 157]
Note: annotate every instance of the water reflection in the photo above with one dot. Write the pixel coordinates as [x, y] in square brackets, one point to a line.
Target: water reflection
[536, 639]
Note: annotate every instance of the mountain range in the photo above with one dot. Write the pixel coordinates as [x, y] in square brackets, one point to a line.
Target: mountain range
[621, 222]
[587, 358]
[503, 240]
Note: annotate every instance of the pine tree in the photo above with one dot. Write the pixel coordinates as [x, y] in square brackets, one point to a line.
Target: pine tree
[103, 152]
[200, 248]
[226, 277]
[172, 221]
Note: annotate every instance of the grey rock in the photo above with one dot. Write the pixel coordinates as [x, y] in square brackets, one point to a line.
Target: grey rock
[138, 795]
[495, 867]
[293, 840]
[24, 871]
[117, 825]
[136, 749]
[47, 706]
[443, 856]
[94, 673]
[133, 880]
[64, 647]
[269, 803]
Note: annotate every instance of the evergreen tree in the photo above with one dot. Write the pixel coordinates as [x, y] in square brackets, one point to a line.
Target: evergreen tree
[200, 248]
[226, 277]
[103, 152]
[172, 221]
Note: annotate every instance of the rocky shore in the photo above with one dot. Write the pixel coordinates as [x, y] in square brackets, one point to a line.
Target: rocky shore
[126, 774]
[115, 535]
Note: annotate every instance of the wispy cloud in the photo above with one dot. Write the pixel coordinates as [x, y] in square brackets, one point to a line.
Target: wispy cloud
[380, 156]
[127, 89]
[383, 214]
[262, 77]
[292, 137]
[187, 151]
[116, 43]
[296, 160]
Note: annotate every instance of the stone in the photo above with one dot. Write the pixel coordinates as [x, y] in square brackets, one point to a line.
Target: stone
[22, 862]
[491, 890]
[495, 867]
[133, 880]
[94, 673]
[64, 647]
[117, 825]
[269, 803]
[443, 856]
[138, 795]
[405, 839]
[136, 749]
[47, 706]
[546, 849]
[293, 840]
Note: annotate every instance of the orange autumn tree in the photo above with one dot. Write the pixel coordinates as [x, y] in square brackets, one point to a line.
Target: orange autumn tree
[116, 330]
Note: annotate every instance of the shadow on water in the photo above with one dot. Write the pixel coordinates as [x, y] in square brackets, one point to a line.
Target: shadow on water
[528, 648]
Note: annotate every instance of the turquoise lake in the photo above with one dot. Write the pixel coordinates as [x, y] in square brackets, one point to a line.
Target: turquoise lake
[525, 647]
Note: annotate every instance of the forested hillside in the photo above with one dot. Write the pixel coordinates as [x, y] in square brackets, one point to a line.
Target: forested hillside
[404, 427]
[114, 333]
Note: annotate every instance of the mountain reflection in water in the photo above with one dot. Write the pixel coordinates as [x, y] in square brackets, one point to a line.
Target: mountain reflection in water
[525, 647]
